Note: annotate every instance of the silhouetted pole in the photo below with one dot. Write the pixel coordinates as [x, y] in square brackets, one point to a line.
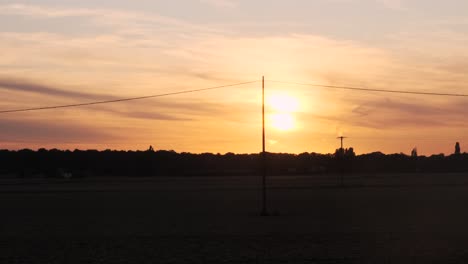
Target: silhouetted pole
[340, 158]
[341, 141]
[264, 207]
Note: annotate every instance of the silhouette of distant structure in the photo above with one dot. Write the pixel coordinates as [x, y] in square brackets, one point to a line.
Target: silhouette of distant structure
[342, 152]
[341, 139]
[457, 148]
[344, 158]
[414, 152]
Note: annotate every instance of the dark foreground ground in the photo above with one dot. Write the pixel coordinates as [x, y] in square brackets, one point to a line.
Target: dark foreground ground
[372, 219]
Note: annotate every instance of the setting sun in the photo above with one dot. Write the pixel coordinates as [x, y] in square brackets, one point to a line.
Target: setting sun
[283, 103]
[283, 107]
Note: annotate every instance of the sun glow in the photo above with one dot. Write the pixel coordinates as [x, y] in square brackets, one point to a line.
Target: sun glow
[283, 107]
[283, 103]
[283, 122]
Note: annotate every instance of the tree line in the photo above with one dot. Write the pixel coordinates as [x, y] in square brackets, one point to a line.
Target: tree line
[93, 163]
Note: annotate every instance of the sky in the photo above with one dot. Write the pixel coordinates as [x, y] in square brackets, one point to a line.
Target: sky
[67, 52]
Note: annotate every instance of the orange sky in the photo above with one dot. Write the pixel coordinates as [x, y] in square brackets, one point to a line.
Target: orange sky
[118, 53]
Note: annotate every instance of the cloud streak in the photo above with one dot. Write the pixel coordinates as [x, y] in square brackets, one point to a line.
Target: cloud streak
[18, 85]
[50, 131]
[151, 109]
[108, 17]
[220, 3]
[383, 114]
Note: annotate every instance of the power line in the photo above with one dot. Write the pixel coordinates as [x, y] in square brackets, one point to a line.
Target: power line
[123, 99]
[230, 85]
[372, 90]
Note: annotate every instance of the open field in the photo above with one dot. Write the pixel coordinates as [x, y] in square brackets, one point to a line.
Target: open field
[372, 219]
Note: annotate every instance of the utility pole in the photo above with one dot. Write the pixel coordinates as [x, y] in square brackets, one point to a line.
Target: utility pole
[341, 154]
[264, 163]
[341, 141]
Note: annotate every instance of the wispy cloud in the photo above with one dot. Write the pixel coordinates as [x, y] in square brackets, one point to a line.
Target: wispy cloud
[393, 4]
[220, 3]
[114, 17]
[44, 130]
[39, 11]
[18, 85]
[386, 113]
[152, 109]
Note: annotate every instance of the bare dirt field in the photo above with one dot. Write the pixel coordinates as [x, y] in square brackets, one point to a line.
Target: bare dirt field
[407, 218]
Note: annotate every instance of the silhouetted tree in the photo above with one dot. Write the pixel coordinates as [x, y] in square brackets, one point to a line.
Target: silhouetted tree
[339, 153]
[457, 148]
[350, 153]
[344, 161]
[414, 152]
[45, 163]
[150, 149]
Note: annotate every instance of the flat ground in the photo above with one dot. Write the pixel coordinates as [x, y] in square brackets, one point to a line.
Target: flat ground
[371, 219]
